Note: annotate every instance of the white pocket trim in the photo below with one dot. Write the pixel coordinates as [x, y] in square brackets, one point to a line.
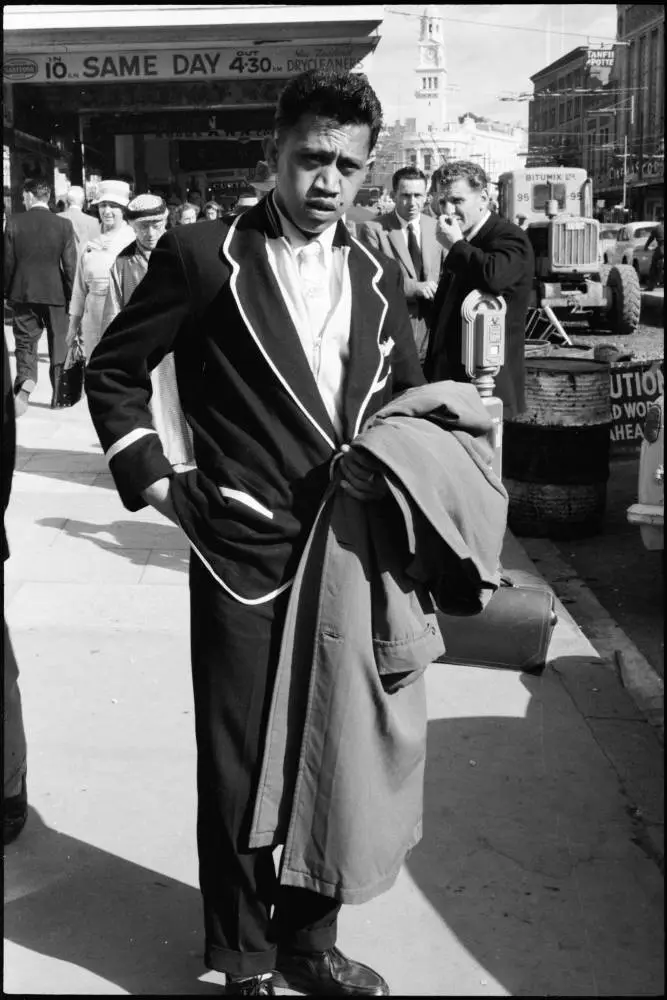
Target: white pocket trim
[248, 500]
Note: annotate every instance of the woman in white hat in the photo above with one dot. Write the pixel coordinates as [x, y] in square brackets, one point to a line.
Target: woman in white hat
[92, 275]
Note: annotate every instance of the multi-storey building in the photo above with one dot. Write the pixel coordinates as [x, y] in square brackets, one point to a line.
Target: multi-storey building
[603, 107]
[557, 116]
[640, 76]
[427, 139]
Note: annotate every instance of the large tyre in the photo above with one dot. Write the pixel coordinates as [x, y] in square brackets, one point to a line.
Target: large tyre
[626, 300]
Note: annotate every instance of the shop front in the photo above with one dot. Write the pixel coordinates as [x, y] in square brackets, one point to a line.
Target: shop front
[181, 118]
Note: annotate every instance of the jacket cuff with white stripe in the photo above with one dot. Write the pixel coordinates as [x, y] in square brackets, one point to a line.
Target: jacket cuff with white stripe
[136, 464]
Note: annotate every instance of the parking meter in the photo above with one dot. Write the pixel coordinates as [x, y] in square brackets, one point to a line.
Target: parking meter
[483, 355]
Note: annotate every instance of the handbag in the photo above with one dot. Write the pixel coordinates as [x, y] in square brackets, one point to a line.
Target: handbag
[68, 378]
[512, 632]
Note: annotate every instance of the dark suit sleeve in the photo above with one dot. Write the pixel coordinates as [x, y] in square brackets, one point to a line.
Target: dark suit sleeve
[499, 267]
[118, 384]
[9, 265]
[68, 259]
[406, 369]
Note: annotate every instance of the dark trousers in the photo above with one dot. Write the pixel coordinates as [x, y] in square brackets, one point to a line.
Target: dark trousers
[247, 914]
[30, 320]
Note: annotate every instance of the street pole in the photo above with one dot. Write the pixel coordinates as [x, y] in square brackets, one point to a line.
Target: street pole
[625, 160]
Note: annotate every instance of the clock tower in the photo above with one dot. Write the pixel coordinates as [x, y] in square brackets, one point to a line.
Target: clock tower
[431, 73]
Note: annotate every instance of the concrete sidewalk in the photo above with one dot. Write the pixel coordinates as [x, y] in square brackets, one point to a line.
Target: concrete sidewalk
[538, 874]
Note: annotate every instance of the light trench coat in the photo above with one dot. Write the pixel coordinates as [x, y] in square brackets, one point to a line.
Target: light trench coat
[343, 765]
[92, 282]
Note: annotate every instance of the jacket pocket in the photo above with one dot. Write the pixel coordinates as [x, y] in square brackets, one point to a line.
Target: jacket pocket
[239, 496]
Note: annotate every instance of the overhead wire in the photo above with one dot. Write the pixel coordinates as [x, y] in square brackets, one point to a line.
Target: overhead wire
[509, 27]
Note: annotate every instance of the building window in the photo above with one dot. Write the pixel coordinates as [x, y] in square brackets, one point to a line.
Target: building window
[570, 110]
[435, 82]
[423, 83]
[427, 162]
[561, 112]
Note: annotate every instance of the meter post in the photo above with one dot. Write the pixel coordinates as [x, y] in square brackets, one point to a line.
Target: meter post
[483, 355]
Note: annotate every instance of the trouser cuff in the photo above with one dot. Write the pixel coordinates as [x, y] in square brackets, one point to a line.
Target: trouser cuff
[308, 941]
[240, 963]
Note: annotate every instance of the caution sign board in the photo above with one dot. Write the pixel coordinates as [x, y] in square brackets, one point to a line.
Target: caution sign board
[634, 385]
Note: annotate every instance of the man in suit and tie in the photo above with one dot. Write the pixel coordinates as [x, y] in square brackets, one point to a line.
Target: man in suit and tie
[287, 334]
[39, 270]
[410, 238]
[86, 228]
[488, 253]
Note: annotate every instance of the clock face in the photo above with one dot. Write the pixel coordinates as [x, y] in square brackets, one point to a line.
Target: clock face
[430, 55]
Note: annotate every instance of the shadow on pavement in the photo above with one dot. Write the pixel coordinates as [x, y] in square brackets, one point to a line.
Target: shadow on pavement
[528, 854]
[63, 464]
[127, 924]
[166, 541]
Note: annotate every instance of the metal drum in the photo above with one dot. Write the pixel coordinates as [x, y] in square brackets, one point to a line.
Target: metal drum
[556, 453]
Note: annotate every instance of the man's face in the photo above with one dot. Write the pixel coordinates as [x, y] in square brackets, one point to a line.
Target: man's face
[466, 204]
[409, 198]
[148, 232]
[188, 216]
[320, 166]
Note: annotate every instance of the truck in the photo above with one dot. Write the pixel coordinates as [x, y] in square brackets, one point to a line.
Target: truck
[554, 205]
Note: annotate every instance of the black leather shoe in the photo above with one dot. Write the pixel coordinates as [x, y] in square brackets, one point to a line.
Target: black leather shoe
[14, 815]
[255, 986]
[328, 974]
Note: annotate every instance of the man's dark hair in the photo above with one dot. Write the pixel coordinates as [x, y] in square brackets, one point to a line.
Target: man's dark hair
[410, 173]
[346, 98]
[38, 188]
[458, 170]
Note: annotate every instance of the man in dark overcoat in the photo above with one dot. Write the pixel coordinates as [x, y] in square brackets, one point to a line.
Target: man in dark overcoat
[488, 253]
[287, 334]
[39, 270]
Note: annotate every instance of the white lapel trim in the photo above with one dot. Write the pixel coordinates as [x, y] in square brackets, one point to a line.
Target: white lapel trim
[379, 271]
[236, 267]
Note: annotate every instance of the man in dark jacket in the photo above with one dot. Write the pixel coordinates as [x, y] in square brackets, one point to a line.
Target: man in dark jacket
[287, 334]
[485, 252]
[14, 798]
[39, 270]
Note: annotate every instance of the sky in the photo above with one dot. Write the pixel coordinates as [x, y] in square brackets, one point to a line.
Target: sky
[492, 55]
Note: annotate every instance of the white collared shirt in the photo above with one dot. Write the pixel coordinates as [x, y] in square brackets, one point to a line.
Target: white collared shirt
[328, 348]
[417, 229]
[475, 229]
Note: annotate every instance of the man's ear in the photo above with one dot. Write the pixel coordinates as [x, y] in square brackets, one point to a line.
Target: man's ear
[270, 147]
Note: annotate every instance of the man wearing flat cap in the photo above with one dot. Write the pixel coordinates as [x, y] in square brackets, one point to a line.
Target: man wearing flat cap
[147, 214]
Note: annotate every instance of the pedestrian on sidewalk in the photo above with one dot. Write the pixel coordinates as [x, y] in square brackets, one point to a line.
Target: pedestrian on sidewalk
[92, 273]
[147, 215]
[14, 797]
[287, 335]
[39, 270]
[86, 227]
[485, 253]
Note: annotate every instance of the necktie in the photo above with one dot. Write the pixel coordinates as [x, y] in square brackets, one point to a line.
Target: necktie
[315, 288]
[414, 251]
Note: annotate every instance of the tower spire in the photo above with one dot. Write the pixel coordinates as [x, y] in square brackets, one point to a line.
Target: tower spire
[431, 87]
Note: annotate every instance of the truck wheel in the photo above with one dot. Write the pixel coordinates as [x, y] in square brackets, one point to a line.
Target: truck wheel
[626, 300]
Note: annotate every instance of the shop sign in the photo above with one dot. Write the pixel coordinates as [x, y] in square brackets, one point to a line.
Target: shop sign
[633, 387]
[601, 56]
[184, 64]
